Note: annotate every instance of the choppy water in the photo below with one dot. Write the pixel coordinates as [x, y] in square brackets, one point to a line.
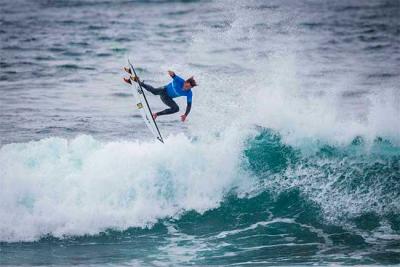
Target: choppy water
[291, 154]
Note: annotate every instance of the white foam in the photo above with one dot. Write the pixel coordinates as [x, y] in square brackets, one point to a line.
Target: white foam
[84, 186]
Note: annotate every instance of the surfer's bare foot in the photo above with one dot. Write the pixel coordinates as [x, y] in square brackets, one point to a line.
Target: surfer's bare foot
[154, 115]
[128, 70]
[127, 80]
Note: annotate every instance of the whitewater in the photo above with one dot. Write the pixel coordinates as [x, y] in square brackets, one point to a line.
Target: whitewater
[290, 156]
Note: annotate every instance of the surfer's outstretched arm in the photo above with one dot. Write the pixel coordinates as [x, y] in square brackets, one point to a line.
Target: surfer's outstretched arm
[188, 108]
[188, 105]
[175, 77]
[171, 73]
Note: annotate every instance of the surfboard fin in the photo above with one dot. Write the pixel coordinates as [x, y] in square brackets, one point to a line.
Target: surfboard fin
[127, 80]
[134, 78]
[128, 70]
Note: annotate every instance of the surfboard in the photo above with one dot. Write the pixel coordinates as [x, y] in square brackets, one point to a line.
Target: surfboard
[143, 106]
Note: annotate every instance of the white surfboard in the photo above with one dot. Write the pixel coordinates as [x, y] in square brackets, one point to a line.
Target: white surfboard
[143, 106]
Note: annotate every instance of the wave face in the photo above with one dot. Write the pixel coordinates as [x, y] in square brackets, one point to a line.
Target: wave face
[197, 202]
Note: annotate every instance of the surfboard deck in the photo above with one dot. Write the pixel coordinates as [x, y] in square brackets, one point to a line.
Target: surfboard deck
[143, 106]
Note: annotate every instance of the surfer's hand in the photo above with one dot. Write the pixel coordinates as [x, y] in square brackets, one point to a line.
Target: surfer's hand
[183, 117]
[171, 73]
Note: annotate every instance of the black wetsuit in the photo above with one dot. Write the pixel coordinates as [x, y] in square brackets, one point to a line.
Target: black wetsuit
[166, 99]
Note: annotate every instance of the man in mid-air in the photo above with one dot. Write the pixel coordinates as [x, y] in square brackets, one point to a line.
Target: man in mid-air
[178, 87]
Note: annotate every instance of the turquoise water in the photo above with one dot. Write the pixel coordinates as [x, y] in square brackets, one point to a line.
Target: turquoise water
[290, 156]
[277, 205]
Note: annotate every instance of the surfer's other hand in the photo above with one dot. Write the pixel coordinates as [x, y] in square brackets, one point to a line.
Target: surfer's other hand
[183, 117]
[171, 73]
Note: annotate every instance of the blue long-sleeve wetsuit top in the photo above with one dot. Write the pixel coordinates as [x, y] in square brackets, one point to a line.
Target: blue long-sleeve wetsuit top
[175, 89]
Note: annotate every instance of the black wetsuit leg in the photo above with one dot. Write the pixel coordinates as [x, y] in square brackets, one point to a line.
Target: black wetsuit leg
[167, 100]
[151, 89]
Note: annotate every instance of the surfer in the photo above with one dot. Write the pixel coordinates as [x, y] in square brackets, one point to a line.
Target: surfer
[176, 88]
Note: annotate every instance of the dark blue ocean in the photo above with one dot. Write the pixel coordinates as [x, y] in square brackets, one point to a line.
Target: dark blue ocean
[290, 156]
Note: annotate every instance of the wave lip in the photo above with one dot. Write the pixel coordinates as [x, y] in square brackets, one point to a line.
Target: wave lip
[354, 186]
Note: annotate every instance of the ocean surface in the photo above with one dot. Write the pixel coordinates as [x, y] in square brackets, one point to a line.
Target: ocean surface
[290, 156]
